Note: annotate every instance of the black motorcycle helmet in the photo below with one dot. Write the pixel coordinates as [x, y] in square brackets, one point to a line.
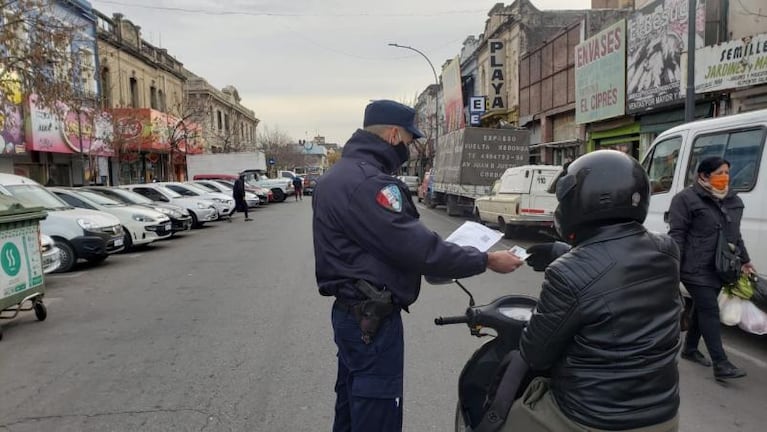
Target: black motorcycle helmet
[599, 188]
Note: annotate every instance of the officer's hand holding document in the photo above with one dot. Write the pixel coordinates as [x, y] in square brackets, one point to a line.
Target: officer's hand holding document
[483, 238]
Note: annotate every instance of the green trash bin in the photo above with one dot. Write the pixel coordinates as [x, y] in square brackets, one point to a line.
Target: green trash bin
[22, 284]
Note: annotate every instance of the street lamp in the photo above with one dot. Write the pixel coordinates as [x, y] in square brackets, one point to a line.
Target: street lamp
[436, 96]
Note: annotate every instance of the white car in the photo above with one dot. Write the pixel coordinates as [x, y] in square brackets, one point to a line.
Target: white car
[250, 198]
[200, 210]
[51, 254]
[140, 225]
[224, 203]
[78, 233]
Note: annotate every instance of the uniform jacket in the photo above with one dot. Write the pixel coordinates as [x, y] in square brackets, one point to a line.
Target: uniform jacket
[607, 329]
[366, 226]
[694, 218]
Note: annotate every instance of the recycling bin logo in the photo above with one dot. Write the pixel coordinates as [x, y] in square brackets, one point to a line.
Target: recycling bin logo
[10, 258]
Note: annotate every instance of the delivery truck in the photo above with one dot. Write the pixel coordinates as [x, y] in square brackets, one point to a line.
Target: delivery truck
[468, 161]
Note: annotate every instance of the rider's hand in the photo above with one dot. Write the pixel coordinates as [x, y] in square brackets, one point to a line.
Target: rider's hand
[503, 261]
[748, 268]
[541, 255]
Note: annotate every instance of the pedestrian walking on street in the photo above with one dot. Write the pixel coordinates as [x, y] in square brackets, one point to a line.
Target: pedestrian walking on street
[370, 251]
[696, 215]
[298, 185]
[238, 193]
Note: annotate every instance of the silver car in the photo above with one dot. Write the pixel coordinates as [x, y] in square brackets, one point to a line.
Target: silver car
[51, 254]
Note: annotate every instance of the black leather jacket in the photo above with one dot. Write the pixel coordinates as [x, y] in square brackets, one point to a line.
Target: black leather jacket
[607, 329]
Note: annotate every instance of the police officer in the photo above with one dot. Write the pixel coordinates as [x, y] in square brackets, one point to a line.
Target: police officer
[371, 251]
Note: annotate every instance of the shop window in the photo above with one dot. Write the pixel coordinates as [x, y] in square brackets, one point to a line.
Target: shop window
[661, 164]
[742, 148]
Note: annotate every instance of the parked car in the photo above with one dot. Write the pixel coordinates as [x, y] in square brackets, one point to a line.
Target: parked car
[179, 216]
[78, 233]
[423, 188]
[141, 225]
[200, 210]
[250, 198]
[520, 199]
[411, 182]
[223, 203]
[50, 253]
[265, 195]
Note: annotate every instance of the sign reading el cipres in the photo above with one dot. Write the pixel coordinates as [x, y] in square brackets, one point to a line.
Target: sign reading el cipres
[600, 81]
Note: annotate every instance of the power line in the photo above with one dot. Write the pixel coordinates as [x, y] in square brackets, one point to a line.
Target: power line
[286, 14]
[749, 12]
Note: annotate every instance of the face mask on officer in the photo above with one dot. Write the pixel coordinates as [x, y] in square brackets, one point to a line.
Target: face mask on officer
[403, 152]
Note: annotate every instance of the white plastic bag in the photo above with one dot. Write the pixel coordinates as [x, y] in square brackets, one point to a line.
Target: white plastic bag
[753, 319]
[730, 309]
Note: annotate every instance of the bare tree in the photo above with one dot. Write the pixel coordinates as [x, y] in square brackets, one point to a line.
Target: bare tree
[278, 146]
[44, 51]
[180, 132]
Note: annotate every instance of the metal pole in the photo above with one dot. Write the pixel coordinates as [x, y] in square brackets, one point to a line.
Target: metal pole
[689, 103]
[436, 95]
[80, 135]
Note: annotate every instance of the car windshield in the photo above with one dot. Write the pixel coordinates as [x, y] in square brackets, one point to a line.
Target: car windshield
[37, 196]
[170, 192]
[196, 188]
[99, 198]
[209, 186]
[124, 196]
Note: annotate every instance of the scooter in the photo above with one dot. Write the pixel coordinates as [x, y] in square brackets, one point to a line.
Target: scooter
[495, 375]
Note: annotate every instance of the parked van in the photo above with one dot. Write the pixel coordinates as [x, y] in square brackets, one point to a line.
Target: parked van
[672, 162]
[520, 199]
[78, 233]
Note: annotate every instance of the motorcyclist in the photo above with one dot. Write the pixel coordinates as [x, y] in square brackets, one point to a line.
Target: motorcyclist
[606, 329]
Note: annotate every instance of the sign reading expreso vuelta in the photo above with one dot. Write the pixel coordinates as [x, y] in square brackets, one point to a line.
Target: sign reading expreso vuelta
[600, 81]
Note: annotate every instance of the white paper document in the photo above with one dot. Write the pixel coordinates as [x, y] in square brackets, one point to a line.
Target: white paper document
[519, 252]
[476, 235]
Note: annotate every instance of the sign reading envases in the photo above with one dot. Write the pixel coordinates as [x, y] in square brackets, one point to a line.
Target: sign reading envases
[732, 64]
[600, 83]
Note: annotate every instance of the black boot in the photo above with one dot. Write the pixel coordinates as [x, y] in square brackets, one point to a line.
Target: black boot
[696, 357]
[725, 370]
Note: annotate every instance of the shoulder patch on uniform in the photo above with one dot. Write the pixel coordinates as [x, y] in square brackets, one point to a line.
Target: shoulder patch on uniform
[390, 198]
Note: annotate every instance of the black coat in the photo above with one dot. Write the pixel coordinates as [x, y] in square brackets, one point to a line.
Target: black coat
[694, 218]
[238, 193]
[607, 329]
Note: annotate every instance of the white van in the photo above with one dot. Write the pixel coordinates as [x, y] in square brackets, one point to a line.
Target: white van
[520, 199]
[672, 161]
[78, 233]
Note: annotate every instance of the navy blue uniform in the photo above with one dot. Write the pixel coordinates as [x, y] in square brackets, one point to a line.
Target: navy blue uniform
[366, 227]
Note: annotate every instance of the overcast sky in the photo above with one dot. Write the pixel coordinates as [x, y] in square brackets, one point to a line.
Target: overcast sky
[309, 67]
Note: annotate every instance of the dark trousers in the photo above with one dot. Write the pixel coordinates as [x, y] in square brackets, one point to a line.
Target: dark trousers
[369, 383]
[705, 321]
[241, 206]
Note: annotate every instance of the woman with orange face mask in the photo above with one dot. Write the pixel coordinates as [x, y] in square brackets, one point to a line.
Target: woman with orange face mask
[695, 217]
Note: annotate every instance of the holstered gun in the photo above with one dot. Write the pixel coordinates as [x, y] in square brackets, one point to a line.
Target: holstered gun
[370, 312]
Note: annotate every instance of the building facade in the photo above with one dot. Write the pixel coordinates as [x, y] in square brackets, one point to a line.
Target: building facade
[143, 86]
[228, 125]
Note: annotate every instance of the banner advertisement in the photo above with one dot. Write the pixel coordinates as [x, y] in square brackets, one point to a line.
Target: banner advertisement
[657, 36]
[451, 83]
[12, 138]
[89, 134]
[733, 64]
[600, 81]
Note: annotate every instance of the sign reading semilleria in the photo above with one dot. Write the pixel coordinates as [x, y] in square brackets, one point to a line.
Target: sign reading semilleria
[733, 64]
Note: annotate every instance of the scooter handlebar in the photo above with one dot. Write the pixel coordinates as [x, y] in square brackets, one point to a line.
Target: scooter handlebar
[451, 320]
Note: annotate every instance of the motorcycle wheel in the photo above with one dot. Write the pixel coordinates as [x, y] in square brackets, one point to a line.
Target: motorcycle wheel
[460, 425]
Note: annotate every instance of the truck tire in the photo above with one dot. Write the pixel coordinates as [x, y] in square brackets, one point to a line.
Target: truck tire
[279, 195]
[453, 209]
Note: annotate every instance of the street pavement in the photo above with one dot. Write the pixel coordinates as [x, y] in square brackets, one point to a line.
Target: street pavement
[222, 329]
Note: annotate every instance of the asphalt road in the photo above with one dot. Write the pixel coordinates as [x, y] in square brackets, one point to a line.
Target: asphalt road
[222, 329]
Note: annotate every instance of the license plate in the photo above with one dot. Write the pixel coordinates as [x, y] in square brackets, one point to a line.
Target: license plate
[118, 242]
[168, 227]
